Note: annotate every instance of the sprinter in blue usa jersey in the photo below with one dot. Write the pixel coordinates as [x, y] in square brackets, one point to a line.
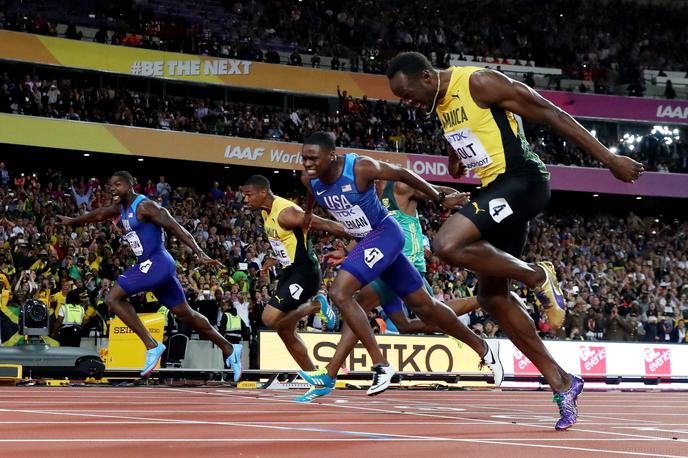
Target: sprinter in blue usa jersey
[345, 186]
[143, 221]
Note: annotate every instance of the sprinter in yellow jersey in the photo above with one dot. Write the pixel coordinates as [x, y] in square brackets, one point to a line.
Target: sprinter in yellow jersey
[299, 279]
[477, 109]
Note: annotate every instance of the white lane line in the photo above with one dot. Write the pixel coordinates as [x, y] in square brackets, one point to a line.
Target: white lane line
[353, 439]
[198, 422]
[582, 449]
[463, 412]
[449, 417]
[397, 437]
[639, 427]
[323, 439]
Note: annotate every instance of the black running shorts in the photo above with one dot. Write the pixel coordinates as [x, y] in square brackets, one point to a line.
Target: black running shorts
[502, 209]
[296, 286]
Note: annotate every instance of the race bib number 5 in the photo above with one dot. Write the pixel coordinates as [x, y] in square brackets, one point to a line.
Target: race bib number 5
[468, 148]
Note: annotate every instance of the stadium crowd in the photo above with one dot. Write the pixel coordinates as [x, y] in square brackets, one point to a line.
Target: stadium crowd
[611, 48]
[357, 123]
[624, 278]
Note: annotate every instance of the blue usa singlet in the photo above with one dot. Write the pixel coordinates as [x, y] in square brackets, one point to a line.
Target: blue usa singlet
[145, 239]
[359, 211]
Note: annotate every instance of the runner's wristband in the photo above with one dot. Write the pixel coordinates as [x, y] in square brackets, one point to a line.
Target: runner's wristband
[442, 196]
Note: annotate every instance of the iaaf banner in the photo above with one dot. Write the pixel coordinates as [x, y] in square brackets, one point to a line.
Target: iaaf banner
[74, 136]
[443, 354]
[124, 60]
[595, 106]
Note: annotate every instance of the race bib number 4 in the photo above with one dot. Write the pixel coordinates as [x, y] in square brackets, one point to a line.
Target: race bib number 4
[355, 222]
[280, 252]
[134, 242]
[468, 148]
[500, 209]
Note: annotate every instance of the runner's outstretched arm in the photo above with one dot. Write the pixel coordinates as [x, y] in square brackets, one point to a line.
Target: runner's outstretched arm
[151, 212]
[95, 216]
[490, 88]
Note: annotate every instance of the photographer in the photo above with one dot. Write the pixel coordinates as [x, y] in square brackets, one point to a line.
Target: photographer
[615, 326]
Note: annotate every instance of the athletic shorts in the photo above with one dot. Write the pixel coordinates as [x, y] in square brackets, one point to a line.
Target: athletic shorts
[390, 302]
[296, 286]
[157, 274]
[502, 209]
[380, 255]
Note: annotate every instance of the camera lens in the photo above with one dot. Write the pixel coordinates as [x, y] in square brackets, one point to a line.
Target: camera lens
[37, 312]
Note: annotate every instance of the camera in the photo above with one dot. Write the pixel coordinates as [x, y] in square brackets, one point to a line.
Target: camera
[33, 318]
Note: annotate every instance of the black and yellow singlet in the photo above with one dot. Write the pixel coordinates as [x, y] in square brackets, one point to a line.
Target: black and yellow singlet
[488, 140]
[292, 247]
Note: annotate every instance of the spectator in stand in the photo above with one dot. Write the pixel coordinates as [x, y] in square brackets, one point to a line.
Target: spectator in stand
[634, 329]
[163, 191]
[215, 192]
[680, 334]
[4, 175]
[315, 60]
[82, 197]
[295, 59]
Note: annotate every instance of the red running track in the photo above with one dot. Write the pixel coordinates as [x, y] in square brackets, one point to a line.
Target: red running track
[174, 422]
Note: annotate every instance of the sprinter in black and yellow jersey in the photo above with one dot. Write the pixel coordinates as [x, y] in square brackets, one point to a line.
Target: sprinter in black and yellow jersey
[300, 277]
[478, 110]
